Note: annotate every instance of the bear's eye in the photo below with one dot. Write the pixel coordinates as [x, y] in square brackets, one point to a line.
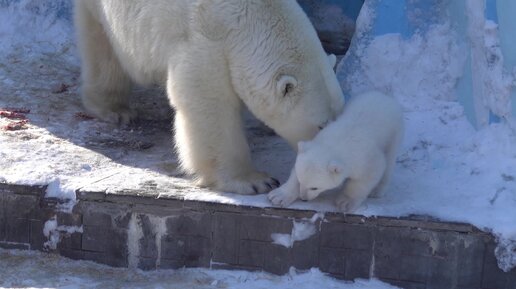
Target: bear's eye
[288, 88]
[314, 189]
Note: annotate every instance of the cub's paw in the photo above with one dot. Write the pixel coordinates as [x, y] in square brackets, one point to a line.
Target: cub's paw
[251, 184]
[281, 197]
[347, 204]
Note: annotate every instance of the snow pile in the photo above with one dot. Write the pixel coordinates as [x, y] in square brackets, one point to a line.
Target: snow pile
[26, 269]
[301, 230]
[52, 231]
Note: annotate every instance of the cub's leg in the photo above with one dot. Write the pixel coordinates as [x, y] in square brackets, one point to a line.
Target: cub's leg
[356, 189]
[287, 193]
[390, 159]
[105, 86]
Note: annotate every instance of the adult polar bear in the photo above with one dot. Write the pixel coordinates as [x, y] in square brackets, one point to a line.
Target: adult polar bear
[212, 55]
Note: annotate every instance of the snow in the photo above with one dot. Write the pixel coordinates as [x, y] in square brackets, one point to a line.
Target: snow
[446, 169]
[28, 269]
[301, 230]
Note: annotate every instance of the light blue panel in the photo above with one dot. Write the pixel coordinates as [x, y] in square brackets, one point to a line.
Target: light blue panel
[391, 17]
[491, 10]
[506, 10]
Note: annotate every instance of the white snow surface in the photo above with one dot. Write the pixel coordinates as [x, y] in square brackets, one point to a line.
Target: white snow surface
[29, 269]
[445, 169]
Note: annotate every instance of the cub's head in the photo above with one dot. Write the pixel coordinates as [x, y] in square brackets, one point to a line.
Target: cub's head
[277, 64]
[317, 170]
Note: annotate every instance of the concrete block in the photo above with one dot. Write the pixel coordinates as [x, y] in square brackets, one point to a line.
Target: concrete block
[414, 268]
[260, 228]
[173, 248]
[347, 236]
[17, 230]
[198, 253]
[251, 253]
[333, 261]
[190, 224]
[277, 259]
[358, 264]
[225, 238]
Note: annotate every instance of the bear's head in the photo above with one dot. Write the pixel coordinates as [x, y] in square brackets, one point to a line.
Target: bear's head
[317, 170]
[277, 64]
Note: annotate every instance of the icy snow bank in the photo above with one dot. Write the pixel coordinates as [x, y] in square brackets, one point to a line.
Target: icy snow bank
[36, 270]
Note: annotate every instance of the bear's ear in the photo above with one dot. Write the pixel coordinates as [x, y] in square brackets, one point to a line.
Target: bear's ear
[332, 59]
[302, 146]
[211, 19]
[286, 84]
[335, 167]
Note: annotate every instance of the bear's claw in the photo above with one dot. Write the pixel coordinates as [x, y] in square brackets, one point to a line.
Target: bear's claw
[256, 183]
[279, 197]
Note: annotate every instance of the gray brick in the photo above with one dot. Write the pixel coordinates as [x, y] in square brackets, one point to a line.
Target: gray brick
[225, 238]
[260, 228]
[190, 224]
[251, 253]
[414, 268]
[277, 259]
[95, 238]
[358, 264]
[333, 261]
[442, 273]
[470, 261]
[347, 236]
[418, 242]
[173, 248]
[37, 239]
[198, 252]
[96, 218]
[305, 254]
[69, 219]
[17, 230]
[70, 241]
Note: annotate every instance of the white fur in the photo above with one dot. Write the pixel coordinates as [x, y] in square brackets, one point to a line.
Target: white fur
[213, 56]
[356, 154]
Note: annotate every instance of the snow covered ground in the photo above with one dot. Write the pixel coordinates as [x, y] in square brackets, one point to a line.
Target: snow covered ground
[24, 269]
[445, 169]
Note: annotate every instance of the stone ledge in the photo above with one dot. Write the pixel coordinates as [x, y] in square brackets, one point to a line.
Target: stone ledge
[143, 231]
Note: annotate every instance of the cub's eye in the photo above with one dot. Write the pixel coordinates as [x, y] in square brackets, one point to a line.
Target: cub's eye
[314, 189]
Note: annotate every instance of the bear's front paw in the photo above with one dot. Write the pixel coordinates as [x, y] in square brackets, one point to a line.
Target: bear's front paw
[255, 183]
[281, 197]
[119, 116]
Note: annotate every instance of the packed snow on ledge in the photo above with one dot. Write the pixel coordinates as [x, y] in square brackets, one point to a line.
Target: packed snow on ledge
[23, 269]
[445, 169]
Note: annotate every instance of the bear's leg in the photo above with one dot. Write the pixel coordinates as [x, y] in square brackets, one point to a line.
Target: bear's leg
[105, 86]
[211, 142]
[356, 190]
[287, 193]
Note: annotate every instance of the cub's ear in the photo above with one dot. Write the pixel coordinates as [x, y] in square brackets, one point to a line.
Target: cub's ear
[302, 146]
[286, 84]
[335, 167]
[211, 19]
[332, 59]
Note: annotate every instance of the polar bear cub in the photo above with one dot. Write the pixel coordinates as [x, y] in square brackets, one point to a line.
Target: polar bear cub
[355, 154]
